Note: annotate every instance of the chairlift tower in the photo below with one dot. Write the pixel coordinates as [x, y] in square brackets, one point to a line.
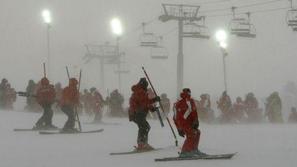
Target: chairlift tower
[106, 53]
[120, 71]
[180, 13]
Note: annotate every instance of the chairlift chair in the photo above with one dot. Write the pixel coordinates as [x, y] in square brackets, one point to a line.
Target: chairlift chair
[159, 52]
[292, 18]
[148, 39]
[242, 27]
[196, 30]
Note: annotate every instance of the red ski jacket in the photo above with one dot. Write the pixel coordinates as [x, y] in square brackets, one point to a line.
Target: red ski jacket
[46, 95]
[139, 100]
[185, 112]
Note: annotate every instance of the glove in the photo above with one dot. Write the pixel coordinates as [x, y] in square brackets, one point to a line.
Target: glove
[154, 109]
[157, 99]
[181, 133]
[195, 125]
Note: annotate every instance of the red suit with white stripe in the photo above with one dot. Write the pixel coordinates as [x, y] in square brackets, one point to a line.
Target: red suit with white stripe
[186, 121]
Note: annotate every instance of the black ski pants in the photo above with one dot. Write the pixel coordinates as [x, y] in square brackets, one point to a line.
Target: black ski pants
[143, 127]
[46, 118]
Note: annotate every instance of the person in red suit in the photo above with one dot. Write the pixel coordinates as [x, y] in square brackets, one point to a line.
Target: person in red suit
[45, 97]
[187, 123]
[139, 106]
[70, 100]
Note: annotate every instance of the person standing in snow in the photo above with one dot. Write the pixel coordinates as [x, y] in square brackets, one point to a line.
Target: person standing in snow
[45, 97]
[70, 100]
[225, 105]
[274, 108]
[97, 104]
[140, 105]
[187, 123]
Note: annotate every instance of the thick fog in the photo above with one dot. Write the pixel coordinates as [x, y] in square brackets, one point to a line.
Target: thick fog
[261, 65]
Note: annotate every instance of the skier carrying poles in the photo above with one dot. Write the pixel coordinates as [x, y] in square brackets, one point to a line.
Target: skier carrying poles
[161, 106]
[75, 109]
[69, 103]
[45, 96]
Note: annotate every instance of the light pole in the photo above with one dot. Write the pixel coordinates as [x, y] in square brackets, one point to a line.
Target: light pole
[221, 37]
[117, 30]
[47, 18]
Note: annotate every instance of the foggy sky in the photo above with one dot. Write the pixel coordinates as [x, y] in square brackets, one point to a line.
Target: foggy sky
[261, 65]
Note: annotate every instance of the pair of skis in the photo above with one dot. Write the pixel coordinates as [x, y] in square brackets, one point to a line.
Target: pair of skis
[202, 157]
[57, 131]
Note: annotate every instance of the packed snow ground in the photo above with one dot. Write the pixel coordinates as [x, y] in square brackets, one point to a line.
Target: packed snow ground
[262, 145]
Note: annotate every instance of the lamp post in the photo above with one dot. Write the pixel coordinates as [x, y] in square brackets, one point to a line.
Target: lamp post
[117, 30]
[221, 37]
[46, 15]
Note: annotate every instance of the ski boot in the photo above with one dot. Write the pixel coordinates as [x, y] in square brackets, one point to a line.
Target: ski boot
[199, 153]
[143, 147]
[39, 127]
[187, 154]
[69, 130]
[51, 126]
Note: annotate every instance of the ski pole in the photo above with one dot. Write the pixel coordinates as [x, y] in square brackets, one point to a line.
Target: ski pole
[77, 117]
[44, 70]
[67, 71]
[161, 106]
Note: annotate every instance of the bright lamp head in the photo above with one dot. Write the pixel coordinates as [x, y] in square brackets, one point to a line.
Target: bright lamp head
[221, 36]
[47, 18]
[116, 26]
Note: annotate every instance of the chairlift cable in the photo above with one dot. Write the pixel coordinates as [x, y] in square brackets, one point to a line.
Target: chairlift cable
[242, 6]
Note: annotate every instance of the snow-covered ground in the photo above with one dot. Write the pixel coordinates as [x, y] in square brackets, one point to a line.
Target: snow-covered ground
[262, 145]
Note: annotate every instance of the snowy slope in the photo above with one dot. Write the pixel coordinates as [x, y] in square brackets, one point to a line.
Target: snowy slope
[257, 145]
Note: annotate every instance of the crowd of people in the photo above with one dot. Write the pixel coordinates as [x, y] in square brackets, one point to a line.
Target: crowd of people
[143, 102]
[243, 110]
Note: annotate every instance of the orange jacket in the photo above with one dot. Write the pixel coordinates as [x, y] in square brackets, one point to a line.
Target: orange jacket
[46, 95]
[70, 97]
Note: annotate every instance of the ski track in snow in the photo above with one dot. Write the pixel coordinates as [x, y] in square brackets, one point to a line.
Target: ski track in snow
[262, 145]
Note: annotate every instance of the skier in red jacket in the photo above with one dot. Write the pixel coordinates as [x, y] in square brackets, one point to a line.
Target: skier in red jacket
[187, 123]
[140, 104]
[45, 97]
[68, 103]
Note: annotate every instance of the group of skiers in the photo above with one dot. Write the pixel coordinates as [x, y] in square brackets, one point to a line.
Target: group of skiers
[248, 110]
[68, 100]
[93, 103]
[186, 111]
[142, 102]
[46, 97]
[185, 118]
[7, 95]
